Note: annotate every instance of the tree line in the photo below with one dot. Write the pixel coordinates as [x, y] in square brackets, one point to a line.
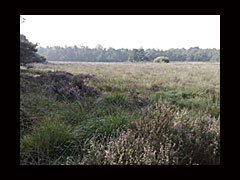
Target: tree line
[100, 54]
[30, 53]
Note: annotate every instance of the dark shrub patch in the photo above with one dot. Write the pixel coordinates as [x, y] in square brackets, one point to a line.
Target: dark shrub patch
[25, 76]
[63, 85]
[84, 76]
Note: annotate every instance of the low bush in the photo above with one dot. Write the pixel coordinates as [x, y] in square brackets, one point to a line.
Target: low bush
[161, 136]
[160, 59]
[63, 85]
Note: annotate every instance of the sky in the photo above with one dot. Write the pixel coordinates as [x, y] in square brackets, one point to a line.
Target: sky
[123, 31]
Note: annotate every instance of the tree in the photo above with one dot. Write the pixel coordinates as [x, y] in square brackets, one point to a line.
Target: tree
[28, 52]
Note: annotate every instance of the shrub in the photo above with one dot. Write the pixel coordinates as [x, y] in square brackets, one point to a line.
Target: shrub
[161, 59]
[62, 84]
[125, 150]
[161, 136]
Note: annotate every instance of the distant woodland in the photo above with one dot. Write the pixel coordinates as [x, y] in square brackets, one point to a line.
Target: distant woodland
[100, 54]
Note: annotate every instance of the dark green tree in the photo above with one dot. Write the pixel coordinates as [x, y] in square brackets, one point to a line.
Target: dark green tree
[28, 52]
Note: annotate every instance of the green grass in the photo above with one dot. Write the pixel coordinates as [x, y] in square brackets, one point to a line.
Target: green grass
[146, 114]
[49, 141]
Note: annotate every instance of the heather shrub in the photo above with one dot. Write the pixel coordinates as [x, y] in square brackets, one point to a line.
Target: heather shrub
[127, 149]
[84, 76]
[161, 136]
[63, 85]
[95, 129]
[28, 83]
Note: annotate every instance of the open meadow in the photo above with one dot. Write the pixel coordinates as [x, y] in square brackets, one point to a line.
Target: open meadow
[92, 113]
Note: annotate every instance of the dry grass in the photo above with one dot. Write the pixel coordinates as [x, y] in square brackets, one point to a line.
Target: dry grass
[174, 74]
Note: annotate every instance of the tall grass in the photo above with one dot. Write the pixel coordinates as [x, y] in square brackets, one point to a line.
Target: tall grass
[49, 141]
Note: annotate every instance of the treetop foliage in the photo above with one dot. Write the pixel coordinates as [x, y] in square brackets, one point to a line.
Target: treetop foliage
[100, 54]
[28, 52]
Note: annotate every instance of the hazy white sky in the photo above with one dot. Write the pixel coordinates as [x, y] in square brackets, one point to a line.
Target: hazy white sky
[124, 31]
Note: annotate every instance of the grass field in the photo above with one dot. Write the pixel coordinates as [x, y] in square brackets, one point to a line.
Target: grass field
[120, 113]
